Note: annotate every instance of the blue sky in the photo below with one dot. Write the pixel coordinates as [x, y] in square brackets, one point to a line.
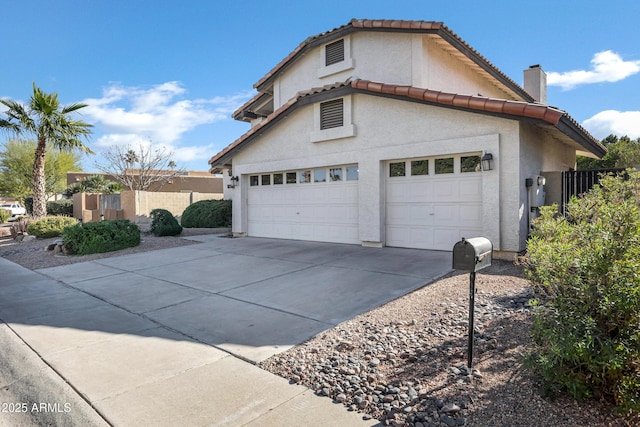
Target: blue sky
[172, 72]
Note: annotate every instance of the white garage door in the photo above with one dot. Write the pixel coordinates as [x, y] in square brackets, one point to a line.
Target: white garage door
[432, 203]
[312, 204]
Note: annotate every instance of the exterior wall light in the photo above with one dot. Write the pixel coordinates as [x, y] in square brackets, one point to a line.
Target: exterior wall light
[234, 181]
[487, 160]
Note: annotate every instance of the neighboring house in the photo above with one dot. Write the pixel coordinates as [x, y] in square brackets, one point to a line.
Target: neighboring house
[188, 181]
[373, 133]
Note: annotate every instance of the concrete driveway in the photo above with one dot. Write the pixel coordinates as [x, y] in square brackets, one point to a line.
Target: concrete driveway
[176, 326]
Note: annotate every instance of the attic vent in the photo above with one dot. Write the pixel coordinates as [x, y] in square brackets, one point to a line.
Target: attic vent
[331, 114]
[334, 52]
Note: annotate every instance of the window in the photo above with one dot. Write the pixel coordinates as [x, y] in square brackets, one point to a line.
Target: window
[470, 164]
[331, 114]
[305, 176]
[277, 179]
[335, 174]
[444, 165]
[334, 52]
[291, 177]
[253, 180]
[419, 167]
[397, 169]
[352, 173]
[266, 179]
[320, 175]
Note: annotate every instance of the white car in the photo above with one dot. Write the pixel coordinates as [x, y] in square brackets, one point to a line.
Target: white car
[16, 209]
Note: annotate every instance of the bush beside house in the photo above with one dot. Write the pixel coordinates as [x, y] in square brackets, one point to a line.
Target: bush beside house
[585, 268]
[207, 214]
[50, 226]
[98, 237]
[163, 223]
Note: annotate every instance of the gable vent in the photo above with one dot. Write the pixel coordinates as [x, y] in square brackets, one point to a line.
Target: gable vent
[331, 114]
[334, 52]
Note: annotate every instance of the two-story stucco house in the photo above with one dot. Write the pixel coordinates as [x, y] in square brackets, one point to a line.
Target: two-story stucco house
[374, 133]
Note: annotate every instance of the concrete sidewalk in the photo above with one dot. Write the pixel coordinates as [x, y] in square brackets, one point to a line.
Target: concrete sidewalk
[170, 337]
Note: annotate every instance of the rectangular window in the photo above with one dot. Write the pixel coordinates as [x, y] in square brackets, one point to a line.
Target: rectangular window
[320, 175]
[419, 167]
[305, 176]
[331, 114]
[352, 173]
[291, 177]
[444, 165]
[397, 169]
[253, 180]
[470, 164]
[266, 179]
[334, 52]
[277, 179]
[335, 174]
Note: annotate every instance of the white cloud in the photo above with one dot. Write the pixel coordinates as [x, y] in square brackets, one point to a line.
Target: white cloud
[619, 123]
[159, 113]
[606, 66]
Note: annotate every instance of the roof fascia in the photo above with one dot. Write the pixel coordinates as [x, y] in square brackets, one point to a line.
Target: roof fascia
[569, 128]
[307, 45]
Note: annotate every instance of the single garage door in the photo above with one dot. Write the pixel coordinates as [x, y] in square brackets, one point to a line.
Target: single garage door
[318, 204]
[431, 203]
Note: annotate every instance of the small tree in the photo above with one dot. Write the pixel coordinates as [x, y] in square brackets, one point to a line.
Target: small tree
[16, 169]
[585, 266]
[623, 152]
[52, 125]
[144, 169]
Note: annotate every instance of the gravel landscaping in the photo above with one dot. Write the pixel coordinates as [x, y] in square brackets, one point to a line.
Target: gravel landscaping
[405, 363]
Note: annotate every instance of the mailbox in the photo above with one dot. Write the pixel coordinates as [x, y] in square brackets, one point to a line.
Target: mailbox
[472, 254]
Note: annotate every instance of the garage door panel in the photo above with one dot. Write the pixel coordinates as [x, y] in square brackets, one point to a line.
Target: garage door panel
[306, 211]
[446, 215]
[433, 211]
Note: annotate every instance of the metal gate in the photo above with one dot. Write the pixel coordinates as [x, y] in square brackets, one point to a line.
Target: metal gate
[575, 183]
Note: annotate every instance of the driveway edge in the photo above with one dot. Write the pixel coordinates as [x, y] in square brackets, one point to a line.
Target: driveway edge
[33, 393]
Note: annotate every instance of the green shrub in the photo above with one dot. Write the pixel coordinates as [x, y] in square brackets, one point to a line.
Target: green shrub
[163, 223]
[4, 215]
[60, 207]
[207, 214]
[585, 268]
[98, 237]
[50, 226]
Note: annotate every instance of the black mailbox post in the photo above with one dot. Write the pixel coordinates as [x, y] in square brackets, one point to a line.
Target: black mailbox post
[472, 255]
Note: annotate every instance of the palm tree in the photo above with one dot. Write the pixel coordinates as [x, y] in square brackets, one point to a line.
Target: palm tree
[52, 124]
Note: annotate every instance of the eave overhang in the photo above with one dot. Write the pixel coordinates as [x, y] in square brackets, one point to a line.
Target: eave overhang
[515, 110]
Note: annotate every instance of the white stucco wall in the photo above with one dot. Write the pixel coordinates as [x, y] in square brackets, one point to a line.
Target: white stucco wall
[539, 153]
[442, 71]
[394, 58]
[389, 129]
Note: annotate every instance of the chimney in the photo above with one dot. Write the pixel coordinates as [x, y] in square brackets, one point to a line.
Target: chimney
[535, 83]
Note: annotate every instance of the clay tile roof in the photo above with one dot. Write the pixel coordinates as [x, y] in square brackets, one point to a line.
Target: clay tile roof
[477, 103]
[500, 107]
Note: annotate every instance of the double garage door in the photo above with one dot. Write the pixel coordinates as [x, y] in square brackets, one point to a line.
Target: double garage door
[432, 203]
[312, 204]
